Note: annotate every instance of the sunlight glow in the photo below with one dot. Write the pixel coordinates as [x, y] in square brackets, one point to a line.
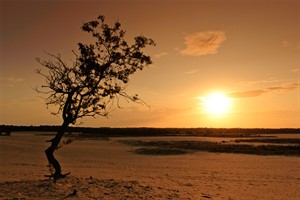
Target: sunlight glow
[216, 104]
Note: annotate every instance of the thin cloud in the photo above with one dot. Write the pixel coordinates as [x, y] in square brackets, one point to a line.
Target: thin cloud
[295, 70]
[10, 81]
[288, 44]
[247, 94]
[160, 55]
[252, 83]
[285, 44]
[203, 43]
[259, 92]
[192, 71]
[266, 81]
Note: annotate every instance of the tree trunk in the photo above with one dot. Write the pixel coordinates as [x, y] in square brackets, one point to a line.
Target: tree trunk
[50, 150]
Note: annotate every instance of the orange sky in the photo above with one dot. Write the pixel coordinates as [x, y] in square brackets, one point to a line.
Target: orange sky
[249, 50]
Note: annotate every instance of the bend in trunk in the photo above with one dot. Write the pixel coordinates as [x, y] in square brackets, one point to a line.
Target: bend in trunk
[50, 150]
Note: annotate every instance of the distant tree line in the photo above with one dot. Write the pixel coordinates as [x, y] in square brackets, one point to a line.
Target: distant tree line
[106, 131]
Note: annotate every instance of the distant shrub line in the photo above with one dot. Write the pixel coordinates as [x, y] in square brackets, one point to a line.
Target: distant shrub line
[106, 131]
[185, 146]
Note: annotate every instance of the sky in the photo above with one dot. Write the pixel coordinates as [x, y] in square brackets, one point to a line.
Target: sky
[217, 63]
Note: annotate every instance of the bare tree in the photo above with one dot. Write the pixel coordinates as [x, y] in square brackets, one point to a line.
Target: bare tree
[94, 81]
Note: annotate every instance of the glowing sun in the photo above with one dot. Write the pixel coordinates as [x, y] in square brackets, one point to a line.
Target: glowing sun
[216, 104]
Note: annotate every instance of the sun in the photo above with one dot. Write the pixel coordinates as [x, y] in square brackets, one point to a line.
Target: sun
[216, 104]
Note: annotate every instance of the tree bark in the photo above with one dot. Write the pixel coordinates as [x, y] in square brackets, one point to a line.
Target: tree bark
[50, 150]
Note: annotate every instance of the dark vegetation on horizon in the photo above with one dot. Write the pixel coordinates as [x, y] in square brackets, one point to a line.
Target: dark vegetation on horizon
[183, 147]
[106, 131]
[268, 146]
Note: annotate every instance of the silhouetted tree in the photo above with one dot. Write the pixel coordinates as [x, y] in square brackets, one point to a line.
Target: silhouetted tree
[95, 79]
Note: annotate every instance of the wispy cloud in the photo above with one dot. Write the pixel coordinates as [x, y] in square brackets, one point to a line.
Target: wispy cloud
[285, 44]
[288, 44]
[160, 55]
[19, 102]
[203, 43]
[259, 92]
[264, 81]
[194, 71]
[269, 81]
[10, 81]
[247, 94]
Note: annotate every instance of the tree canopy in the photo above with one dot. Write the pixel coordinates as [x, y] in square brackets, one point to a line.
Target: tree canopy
[98, 74]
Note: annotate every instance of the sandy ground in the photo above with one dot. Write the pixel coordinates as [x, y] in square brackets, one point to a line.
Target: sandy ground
[103, 169]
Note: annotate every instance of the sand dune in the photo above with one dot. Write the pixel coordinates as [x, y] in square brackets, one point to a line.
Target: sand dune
[102, 169]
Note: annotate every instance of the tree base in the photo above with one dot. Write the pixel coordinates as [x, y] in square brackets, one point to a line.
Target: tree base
[58, 176]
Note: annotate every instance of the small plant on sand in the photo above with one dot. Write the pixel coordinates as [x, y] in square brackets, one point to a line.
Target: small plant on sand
[94, 81]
